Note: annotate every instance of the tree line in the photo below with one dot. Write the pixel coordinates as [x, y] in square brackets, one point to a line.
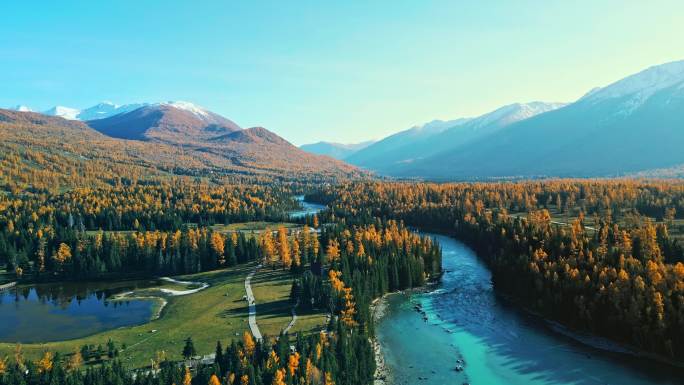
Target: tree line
[595, 255]
[340, 268]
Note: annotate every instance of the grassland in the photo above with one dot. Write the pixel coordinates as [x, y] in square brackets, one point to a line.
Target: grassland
[255, 227]
[215, 313]
[624, 220]
[272, 293]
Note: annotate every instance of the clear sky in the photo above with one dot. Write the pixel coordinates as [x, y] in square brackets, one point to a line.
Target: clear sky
[321, 70]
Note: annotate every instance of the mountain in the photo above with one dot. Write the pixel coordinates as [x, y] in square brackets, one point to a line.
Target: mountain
[335, 150]
[70, 149]
[98, 111]
[376, 153]
[21, 108]
[63, 112]
[632, 125]
[172, 122]
[106, 109]
[447, 137]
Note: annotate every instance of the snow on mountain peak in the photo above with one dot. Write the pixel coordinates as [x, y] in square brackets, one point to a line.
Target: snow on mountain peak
[187, 106]
[106, 109]
[639, 87]
[514, 112]
[21, 108]
[63, 112]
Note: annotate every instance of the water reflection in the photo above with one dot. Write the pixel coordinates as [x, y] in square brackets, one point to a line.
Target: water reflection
[52, 312]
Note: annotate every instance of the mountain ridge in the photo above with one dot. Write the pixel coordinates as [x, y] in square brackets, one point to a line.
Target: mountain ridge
[335, 150]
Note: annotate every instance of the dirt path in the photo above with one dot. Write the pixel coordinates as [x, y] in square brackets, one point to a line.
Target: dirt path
[252, 305]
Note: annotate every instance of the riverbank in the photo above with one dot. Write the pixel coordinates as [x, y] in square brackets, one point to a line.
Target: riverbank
[378, 309]
[382, 374]
[579, 335]
[469, 334]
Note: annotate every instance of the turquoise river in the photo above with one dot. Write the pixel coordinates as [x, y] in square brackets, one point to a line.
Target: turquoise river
[467, 324]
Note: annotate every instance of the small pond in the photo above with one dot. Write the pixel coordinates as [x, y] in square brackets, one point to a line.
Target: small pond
[61, 311]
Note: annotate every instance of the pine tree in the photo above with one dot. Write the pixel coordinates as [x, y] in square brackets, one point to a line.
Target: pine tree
[189, 349]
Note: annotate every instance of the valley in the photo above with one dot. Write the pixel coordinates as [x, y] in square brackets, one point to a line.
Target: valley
[342, 193]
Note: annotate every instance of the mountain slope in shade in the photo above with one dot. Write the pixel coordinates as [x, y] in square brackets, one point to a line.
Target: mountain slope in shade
[394, 160]
[173, 122]
[634, 124]
[376, 153]
[335, 150]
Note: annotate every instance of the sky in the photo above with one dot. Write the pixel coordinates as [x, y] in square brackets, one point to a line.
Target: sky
[344, 71]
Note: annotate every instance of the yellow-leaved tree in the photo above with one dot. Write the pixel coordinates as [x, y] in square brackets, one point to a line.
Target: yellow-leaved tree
[293, 363]
[75, 361]
[213, 380]
[218, 243]
[63, 254]
[187, 378]
[279, 378]
[45, 363]
[248, 342]
[284, 248]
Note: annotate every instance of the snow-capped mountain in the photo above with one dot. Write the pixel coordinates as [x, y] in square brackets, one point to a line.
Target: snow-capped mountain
[511, 113]
[106, 109]
[631, 125]
[98, 111]
[634, 90]
[171, 122]
[440, 136]
[21, 108]
[200, 112]
[63, 112]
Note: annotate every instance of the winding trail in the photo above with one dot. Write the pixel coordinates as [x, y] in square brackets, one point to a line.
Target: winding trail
[254, 328]
[294, 319]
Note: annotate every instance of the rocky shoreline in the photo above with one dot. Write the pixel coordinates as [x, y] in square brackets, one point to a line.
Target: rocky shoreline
[382, 374]
[378, 308]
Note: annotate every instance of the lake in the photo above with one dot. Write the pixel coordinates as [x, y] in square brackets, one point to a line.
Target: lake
[498, 343]
[61, 311]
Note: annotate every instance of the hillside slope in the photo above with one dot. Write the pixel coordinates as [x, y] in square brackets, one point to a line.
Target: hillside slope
[335, 150]
[45, 152]
[631, 125]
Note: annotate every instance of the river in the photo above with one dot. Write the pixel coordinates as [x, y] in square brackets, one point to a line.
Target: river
[498, 343]
[308, 208]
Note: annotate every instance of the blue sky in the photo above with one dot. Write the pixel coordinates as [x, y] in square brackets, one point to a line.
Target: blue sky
[339, 71]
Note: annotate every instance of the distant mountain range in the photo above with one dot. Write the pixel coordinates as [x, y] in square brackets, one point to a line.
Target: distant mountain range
[151, 133]
[399, 151]
[335, 150]
[98, 111]
[633, 125]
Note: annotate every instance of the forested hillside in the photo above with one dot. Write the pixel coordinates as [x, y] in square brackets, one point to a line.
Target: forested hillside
[42, 153]
[603, 256]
